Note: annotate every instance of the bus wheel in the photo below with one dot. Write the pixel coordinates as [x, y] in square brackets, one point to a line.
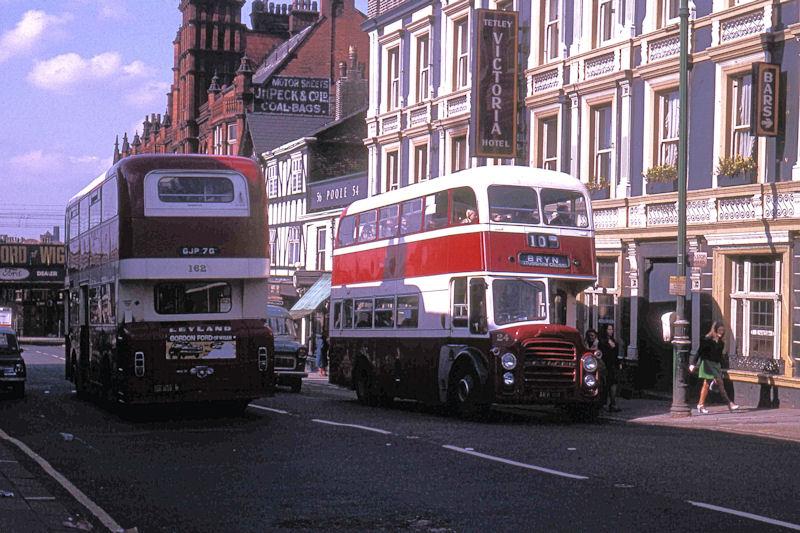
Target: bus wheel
[363, 386]
[77, 376]
[463, 392]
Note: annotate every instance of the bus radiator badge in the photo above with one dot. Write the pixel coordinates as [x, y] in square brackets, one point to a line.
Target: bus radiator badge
[201, 372]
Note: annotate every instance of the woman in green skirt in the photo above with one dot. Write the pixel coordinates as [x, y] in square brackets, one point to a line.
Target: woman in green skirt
[710, 354]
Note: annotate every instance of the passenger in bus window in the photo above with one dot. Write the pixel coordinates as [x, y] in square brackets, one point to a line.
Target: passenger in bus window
[562, 216]
[501, 217]
[470, 217]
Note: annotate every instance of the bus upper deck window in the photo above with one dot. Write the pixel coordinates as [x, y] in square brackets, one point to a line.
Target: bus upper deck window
[366, 226]
[513, 204]
[347, 231]
[564, 208]
[411, 216]
[195, 189]
[464, 207]
[387, 222]
[436, 210]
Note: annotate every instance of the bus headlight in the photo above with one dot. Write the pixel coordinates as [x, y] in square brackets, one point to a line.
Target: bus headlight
[509, 361]
[590, 381]
[589, 363]
[508, 379]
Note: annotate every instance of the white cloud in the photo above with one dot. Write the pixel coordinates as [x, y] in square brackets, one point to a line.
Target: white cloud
[137, 69]
[34, 161]
[39, 162]
[33, 26]
[150, 94]
[112, 10]
[68, 70]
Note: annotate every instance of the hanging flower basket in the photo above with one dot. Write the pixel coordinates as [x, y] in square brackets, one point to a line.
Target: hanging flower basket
[737, 170]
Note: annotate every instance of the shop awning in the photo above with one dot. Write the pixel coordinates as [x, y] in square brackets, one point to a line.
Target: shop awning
[313, 298]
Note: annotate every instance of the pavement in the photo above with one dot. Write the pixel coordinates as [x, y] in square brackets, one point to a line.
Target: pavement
[31, 502]
[782, 423]
[28, 503]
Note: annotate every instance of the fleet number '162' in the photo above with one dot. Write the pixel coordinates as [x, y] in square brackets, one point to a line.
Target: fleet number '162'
[198, 268]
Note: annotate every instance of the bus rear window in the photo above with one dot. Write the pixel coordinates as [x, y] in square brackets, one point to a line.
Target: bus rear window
[195, 189]
[513, 204]
[192, 298]
[564, 208]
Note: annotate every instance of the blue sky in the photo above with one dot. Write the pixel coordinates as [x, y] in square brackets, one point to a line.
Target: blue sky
[75, 74]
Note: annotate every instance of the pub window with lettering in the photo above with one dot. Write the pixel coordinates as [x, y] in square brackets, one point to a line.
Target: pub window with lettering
[755, 305]
[187, 298]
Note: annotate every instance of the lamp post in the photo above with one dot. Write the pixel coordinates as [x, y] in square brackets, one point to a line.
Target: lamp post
[680, 338]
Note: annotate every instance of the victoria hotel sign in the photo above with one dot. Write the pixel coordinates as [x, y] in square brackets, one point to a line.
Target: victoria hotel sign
[494, 122]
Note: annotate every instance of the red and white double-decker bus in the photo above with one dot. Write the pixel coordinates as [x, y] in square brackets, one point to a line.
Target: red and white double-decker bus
[167, 265]
[462, 289]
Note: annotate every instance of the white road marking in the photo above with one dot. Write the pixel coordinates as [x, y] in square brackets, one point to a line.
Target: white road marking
[355, 426]
[8, 461]
[751, 516]
[40, 498]
[513, 463]
[76, 493]
[270, 409]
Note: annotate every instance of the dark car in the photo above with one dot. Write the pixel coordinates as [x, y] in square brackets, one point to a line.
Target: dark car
[290, 355]
[12, 366]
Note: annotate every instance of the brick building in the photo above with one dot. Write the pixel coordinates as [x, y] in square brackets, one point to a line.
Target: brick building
[221, 66]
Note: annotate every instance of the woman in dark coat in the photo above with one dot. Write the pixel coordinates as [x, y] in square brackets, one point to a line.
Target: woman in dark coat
[710, 356]
[609, 347]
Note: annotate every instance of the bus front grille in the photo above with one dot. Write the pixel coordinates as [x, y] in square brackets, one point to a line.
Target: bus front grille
[549, 363]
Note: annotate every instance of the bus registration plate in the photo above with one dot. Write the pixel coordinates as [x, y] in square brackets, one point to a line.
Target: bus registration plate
[548, 394]
[543, 260]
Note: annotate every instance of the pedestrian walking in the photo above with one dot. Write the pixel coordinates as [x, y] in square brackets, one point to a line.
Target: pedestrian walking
[609, 347]
[709, 362]
[590, 339]
[322, 354]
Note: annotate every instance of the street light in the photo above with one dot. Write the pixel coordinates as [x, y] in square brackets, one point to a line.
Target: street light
[680, 338]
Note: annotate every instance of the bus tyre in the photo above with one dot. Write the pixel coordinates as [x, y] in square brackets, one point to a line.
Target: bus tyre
[464, 391]
[77, 376]
[363, 386]
[296, 385]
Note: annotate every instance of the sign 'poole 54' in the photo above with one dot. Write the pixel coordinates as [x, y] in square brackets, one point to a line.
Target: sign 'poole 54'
[494, 91]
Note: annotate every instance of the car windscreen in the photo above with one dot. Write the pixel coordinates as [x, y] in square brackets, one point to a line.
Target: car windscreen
[8, 343]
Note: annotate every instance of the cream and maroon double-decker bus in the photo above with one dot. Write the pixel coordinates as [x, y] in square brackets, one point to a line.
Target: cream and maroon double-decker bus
[462, 290]
[167, 265]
